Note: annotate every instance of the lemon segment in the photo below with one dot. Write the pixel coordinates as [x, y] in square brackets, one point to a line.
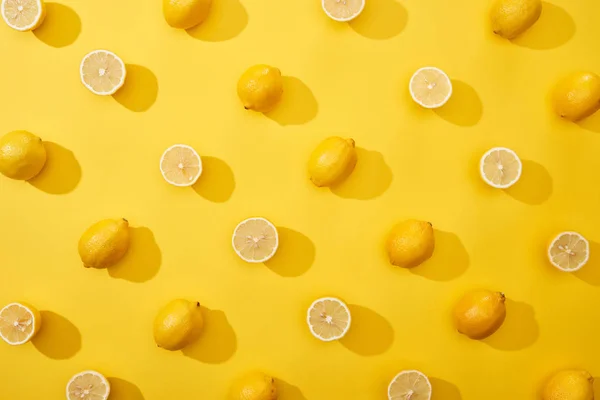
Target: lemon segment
[88, 385]
[569, 385]
[255, 240]
[22, 155]
[328, 319]
[500, 167]
[23, 15]
[577, 96]
[410, 385]
[510, 18]
[254, 386]
[569, 251]
[343, 10]
[19, 323]
[430, 87]
[479, 313]
[181, 165]
[102, 72]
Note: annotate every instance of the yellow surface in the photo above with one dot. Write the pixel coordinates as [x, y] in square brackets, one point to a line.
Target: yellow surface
[341, 79]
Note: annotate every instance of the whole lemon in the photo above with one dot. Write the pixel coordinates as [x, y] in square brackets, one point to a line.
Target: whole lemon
[510, 18]
[569, 385]
[260, 88]
[332, 161]
[577, 96]
[22, 155]
[104, 243]
[185, 14]
[178, 324]
[254, 386]
[479, 313]
[410, 243]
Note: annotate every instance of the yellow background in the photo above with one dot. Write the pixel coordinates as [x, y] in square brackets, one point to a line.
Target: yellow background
[342, 79]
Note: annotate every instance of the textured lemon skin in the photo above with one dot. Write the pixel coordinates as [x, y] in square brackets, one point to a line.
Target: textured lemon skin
[332, 161]
[254, 386]
[185, 14]
[569, 385]
[577, 96]
[260, 88]
[104, 243]
[479, 313]
[22, 155]
[510, 18]
[178, 324]
[410, 243]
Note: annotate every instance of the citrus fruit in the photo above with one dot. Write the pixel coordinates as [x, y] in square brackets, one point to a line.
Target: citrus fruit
[577, 95]
[104, 243]
[569, 385]
[23, 15]
[479, 313]
[254, 386]
[343, 10]
[430, 87]
[569, 251]
[181, 165]
[510, 18]
[185, 14]
[410, 243]
[500, 167]
[178, 324]
[332, 161]
[260, 88]
[328, 319]
[409, 385]
[255, 240]
[22, 155]
[88, 385]
[19, 323]
[102, 72]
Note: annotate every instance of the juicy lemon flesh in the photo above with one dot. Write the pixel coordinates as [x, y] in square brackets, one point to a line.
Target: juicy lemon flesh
[329, 319]
[255, 240]
[88, 386]
[181, 166]
[431, 88]
[343, 9]
[103, 72]
[410, 386]
[22, 14]
[17, 324]
[501, 167]
[570, 251]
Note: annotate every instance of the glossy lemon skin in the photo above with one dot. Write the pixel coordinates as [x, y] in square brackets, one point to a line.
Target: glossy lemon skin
[22, 155]
[332, 161]
[178, 324]
[254, 386]
[105, 243]
[185, 14]
[577, 96]
[479, 313]
[569, 385]
[510, 18]
[410, 243]
[260, 88]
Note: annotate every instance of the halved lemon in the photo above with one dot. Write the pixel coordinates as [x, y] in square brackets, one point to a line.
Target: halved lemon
[343, 10]
[102, 72]
[500, 167]
[181, 165]
[19, 323]
[255, 240]
[88, 385]
[569, 251]
[328, 319]
[23, 15]
[409, 385]
[430, 87]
